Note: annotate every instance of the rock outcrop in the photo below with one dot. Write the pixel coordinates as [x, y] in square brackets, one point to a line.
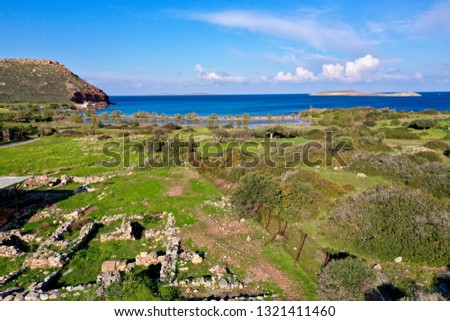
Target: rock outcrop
[46, 81]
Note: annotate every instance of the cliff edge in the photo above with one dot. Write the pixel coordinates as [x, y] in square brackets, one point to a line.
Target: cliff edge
[45, 81]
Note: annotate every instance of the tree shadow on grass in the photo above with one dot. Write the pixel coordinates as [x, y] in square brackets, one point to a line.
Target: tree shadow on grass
[17, 206]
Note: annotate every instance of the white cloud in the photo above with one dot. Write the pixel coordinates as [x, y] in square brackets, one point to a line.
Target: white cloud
[198, 68]
[418, 76]
[301, 75]
[437, 19]
[376, 27]
[353, 71]
[331, 71]
[307, 30]
[215, 76]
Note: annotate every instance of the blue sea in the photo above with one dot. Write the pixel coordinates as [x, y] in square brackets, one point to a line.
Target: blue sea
[276, 105]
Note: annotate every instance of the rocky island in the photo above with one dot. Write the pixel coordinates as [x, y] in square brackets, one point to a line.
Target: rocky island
[45, 81]
[350, 93]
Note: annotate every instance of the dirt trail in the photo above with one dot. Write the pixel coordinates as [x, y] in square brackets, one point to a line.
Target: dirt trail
[227, 239]
[21, 143]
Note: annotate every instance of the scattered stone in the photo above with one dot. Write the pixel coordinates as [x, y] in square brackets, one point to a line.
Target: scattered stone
[398, 259]
[224, 285]
[146, 259]
[377, 266]
[361, 175]
[43, 297]
[124, 233]
[108, 278]
[242, 220]
[249, 238]
[54, 296]
[108, 266]
[111, 266]
[197, 259]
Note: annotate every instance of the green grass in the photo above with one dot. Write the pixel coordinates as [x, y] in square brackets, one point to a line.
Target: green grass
[86, 264]
[8, 265]
[50, 154]
[343, 177]
[285, 262]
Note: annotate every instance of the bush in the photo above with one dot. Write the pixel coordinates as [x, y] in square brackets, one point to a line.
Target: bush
[424, 123]
[256, 191]
[348, 279]
[411, 170]
[387, 222]
[436, 145]
[314, 134]
[69, 133]
[171, 126]
[306, 193]
[344, 143]
[370, 144]
[427, 156]
[399, 133]
[369, 123]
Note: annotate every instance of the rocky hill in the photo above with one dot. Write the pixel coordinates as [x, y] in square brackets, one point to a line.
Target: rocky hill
[45, 81]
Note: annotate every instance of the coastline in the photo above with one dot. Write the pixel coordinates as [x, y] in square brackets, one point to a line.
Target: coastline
[350, 93]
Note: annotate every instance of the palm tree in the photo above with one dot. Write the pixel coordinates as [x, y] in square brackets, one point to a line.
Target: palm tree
[117, 116]
[246, 118]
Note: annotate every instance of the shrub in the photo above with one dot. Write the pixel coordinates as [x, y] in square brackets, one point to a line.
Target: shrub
[171, 126]
[424, 123]
[370, 123]
[256, 191]
[427, 156]
[409, 169]
[387, 222]
[69, 133]
[371, 144]
[344, 143]
[436, 145]
[399, 133]
[395, 122]
[306, 193]
[314, 134]
[348, 279]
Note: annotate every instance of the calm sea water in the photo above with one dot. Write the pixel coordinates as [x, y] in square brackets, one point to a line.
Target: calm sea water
[230, 105]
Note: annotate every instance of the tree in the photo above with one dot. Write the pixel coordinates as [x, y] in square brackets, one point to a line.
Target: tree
[177, 117]
[257, 191]
[117, 116]
[246, 118]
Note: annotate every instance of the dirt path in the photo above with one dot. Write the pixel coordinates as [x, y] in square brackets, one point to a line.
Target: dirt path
[227, 239]
[21, 143]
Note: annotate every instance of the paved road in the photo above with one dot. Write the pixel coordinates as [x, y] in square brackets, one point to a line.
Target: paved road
[20, 143]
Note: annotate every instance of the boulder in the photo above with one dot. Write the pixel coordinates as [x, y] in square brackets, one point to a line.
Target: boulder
[108, 266]
[197, 259]
[224, 285]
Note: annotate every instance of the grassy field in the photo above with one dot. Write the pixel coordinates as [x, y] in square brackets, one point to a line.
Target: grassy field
[246, 248]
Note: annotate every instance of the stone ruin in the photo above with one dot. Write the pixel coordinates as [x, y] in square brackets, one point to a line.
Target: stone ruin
[63, 180]
[147, 259]
[111, 266]
[46, 258]
[124, 233]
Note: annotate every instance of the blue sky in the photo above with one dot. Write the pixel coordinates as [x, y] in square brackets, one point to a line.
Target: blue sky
[180, 47]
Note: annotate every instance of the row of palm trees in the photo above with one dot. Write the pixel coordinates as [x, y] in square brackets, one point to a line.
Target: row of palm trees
[117, 117]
